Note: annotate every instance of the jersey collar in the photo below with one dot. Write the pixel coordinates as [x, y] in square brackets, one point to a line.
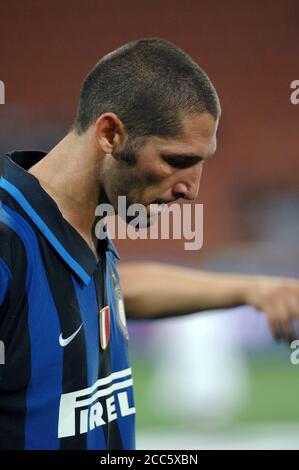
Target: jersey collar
[45, 214]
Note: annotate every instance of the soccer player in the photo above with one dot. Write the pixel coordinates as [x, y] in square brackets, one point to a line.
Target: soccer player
[146, 122]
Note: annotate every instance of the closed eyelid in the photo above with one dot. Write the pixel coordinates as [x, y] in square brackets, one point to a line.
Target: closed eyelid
[182, 161]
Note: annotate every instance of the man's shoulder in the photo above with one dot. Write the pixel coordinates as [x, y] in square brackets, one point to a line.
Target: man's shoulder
[12, 253]
[11, 242]
[6, 223]
[12, 219]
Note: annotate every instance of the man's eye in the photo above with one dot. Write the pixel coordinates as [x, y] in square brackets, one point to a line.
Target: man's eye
[181, 162]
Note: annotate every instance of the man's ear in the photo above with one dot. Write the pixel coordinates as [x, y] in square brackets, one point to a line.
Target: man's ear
[110, 133]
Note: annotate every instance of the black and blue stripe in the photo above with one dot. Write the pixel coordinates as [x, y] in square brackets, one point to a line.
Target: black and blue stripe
[50, 285]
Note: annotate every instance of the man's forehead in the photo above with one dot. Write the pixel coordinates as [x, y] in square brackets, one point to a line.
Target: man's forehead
[198, 138]
[199, 125]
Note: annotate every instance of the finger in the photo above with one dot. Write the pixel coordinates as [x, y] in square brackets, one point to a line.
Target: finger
[291, 311]
[286, 328]
[295, 327]
[294, 314]
[282, 312]
[274, 325]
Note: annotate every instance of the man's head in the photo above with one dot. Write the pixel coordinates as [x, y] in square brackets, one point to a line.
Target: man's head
[154, 114]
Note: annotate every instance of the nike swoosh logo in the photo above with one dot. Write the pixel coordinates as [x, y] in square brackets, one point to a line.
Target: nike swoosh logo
[65, 341]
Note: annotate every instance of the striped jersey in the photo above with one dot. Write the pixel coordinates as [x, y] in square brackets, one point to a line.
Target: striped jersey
[66, 381]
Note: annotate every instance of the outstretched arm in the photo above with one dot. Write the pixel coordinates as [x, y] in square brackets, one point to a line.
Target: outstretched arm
[154, 290]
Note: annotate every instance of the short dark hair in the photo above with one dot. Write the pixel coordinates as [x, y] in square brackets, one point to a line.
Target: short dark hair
[147, 83]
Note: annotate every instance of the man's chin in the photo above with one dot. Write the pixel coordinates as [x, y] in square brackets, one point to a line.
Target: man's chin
[144, 218]
[143, 222]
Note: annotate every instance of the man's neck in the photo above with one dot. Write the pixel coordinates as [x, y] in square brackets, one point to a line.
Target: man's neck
[70, 175]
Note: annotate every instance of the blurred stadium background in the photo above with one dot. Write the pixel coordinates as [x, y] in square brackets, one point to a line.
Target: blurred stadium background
[213, 380]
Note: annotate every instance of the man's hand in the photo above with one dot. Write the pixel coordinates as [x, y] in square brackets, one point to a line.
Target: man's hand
[155, 290]
[278, 298]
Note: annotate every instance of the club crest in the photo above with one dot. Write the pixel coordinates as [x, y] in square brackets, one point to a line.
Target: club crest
[120, 306]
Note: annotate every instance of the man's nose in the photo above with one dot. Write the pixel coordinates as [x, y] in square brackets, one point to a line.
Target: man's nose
[187, 186]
